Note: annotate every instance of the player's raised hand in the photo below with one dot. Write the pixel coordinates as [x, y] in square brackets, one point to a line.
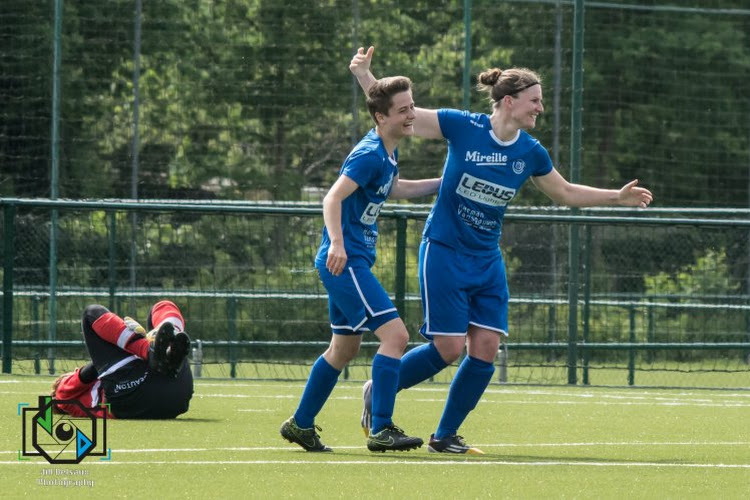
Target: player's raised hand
[360, 64]
[633, 196]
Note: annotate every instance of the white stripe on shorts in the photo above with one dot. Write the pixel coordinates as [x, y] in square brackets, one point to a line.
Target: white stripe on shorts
[361, 296]
[424, 286]
[491, 328]
[118, 365]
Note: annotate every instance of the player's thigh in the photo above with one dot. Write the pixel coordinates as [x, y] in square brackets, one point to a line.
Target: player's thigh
[489, 298]
[356, 300]
[482, 343]
[444, 301]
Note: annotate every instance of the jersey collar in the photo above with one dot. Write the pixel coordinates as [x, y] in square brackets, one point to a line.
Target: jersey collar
[505, 143]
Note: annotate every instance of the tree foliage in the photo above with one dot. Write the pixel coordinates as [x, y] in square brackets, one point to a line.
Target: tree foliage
[253, 99]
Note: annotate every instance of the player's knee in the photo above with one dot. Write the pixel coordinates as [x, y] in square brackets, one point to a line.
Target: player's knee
[93, 312]
[342, 354]
[397, 340]
[450, 351]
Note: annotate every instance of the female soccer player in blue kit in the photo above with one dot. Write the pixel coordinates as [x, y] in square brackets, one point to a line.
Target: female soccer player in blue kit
[357, 302]
[462, 274]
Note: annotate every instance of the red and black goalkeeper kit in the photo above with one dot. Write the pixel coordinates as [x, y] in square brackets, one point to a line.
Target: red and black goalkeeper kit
[140, 376]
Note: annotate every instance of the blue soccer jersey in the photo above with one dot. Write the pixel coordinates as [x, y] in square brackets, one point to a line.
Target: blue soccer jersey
[370, 166]
[481, 176]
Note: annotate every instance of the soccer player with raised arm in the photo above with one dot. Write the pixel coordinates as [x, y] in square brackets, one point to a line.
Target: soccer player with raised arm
[461, 270]
[357, 302]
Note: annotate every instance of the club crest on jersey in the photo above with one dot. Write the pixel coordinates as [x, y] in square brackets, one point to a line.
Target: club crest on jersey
[483, 191]
[518, 166]
[371, 213]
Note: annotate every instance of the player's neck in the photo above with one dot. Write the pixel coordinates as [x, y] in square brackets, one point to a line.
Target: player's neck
[390, 143]
[504, 128]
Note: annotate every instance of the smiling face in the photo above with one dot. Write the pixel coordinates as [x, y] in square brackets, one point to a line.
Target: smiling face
[526, 106]
[399, 122]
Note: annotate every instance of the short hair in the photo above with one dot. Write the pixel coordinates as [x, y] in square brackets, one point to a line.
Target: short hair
[380, 94]
[498, 83]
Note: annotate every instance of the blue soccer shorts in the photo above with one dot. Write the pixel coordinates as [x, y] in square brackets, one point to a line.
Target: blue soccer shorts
[357, 302]
[460, 289]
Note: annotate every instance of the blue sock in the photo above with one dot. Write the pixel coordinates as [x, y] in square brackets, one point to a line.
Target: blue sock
[384, 386]
[419, 364]
[472, 378]
[320, 384]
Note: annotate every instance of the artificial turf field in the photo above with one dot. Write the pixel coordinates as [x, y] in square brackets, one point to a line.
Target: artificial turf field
[539, 442]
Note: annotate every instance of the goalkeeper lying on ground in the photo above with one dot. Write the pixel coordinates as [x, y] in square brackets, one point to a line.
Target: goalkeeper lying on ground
[140, 375]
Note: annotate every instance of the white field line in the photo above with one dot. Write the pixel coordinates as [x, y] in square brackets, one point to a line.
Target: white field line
[585, 392]
[646, 402]
[401, 463]
[619, 400]
[116, 451]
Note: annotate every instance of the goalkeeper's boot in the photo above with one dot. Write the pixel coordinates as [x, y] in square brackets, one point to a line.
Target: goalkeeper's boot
[158, 360]
[366, 420]
[452, 444]
[391, 438]
[177, 353]
[308, 439]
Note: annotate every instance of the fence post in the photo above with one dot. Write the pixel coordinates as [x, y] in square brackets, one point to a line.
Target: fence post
[232, 311]
[9, 251]
[631, 351]
[401, 265]
[575, 174]
[502, 359]
[112, 216]
[586, 302]
[36, 333]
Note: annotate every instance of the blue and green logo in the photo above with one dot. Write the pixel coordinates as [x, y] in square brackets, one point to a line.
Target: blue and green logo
[62, 438]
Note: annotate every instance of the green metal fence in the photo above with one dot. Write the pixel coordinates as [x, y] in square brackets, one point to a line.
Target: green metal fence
[659, 293]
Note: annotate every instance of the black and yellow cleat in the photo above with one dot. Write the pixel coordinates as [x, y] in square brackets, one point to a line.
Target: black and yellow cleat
[392, 439]
[452, 444]
[308, 439]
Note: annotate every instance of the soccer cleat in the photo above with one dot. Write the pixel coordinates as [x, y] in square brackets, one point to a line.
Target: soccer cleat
[158, 360]
[452, 444]
[177, 352]
[366, 420]
[308, 439]
[392, 439]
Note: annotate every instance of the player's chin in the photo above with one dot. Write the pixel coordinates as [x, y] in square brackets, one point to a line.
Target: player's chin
[407, 130]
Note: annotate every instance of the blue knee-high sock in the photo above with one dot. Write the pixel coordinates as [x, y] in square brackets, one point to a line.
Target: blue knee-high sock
[472, 378]
[419, 364]
[384, 386]
[320, 384]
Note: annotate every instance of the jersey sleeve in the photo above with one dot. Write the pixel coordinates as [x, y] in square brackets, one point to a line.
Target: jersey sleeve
[542, 161]
[71, 388]
[361, 168]
[452, 121]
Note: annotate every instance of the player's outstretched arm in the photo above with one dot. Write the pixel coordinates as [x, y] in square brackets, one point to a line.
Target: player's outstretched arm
[425, 124]
[564, 193]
